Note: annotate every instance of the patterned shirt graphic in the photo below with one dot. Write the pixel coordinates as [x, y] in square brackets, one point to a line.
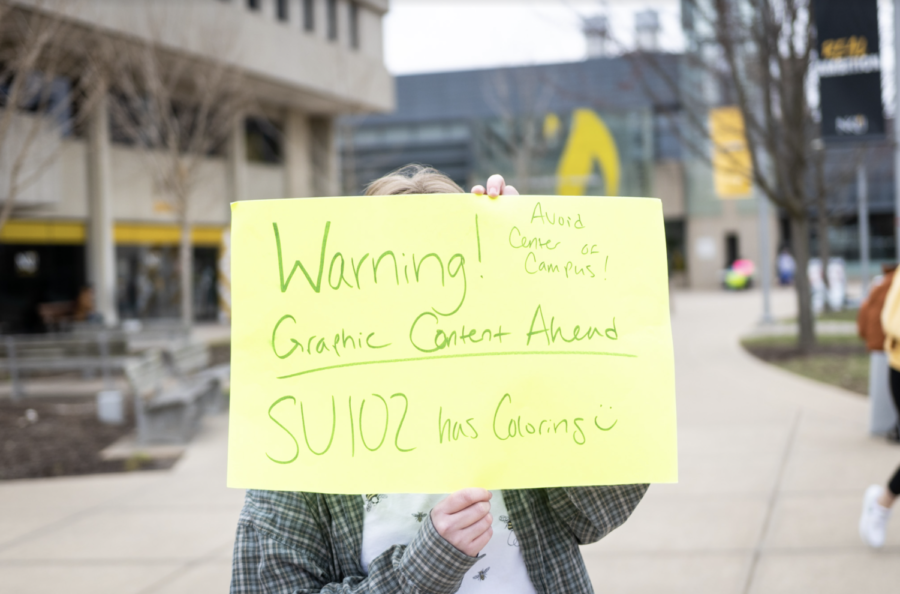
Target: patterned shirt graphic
[500, 568]
[302, 543]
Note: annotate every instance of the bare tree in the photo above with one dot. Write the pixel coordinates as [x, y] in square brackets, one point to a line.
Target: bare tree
[38, 47]
[767, 50]
[759, 56]
[179, 109]
[521, 100]
[825, 177]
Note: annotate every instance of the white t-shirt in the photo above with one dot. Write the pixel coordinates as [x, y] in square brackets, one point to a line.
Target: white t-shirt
[395, 519]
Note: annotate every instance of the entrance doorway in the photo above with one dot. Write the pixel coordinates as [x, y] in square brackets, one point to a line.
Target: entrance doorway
[732, 249]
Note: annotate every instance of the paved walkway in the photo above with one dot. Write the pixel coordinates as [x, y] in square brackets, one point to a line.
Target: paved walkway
[161, 531]
[772, 470]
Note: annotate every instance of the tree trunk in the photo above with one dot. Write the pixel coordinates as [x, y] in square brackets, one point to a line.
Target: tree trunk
[186, 259]
[806, 336]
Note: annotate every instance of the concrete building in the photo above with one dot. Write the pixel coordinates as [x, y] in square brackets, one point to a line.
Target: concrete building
[95, 215]
[521, 121]
[721, 228]
[603, 126]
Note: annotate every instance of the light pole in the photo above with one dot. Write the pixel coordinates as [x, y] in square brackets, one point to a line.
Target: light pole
[896, 129]
[862, 203]
[765, 261]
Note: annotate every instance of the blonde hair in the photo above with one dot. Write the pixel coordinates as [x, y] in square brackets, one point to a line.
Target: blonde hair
[413, 179]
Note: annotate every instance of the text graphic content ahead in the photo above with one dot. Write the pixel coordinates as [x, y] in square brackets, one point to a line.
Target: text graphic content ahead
[430, 343]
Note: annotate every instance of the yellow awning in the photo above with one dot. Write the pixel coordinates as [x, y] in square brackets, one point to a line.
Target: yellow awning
[39, 232]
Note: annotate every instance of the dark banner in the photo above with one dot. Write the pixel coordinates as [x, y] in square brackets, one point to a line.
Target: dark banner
[849, 70]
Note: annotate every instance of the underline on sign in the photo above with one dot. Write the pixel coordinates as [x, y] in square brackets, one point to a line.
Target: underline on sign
[458, 356]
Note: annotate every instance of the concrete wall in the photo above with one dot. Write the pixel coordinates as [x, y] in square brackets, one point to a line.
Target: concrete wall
[371, 32]
[668, 186]
[137, 195]
[265, 181]
[288, 65]
[710, 219]
[34, 145]
[298, 166]
[706, 243]
[138, 198]
[70, 200]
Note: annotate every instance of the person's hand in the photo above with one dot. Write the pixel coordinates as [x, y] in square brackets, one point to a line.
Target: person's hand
[496, 186]
[463, 519]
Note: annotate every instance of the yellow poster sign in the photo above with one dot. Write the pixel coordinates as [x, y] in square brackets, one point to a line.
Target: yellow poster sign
[732, 166]
[429, 343]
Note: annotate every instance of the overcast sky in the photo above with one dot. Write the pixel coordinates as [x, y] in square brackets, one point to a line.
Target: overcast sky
[442, 35]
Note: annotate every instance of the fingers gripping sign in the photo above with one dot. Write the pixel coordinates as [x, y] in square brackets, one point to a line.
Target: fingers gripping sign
[463, 519]
[496, 186]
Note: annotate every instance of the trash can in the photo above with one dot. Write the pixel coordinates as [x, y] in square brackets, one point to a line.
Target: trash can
[882, 414]
[110, 407]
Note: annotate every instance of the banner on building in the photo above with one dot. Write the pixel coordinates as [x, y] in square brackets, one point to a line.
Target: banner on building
[732, 166]
[429, 343]
[849, 70]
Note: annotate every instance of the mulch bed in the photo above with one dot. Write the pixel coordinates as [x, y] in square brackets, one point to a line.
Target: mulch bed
[42, 437]
[843, 362]
[777, 353]
[220, 353]
[62, 436]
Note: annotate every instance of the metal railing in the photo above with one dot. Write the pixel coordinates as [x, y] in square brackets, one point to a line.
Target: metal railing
[85, 350]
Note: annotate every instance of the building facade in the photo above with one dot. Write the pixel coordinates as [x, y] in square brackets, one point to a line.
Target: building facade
[604, 126]
[96, 215]
[722, 226]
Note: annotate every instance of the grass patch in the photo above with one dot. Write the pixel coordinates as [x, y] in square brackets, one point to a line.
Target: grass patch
[837, 360]
[787, 344]
[847, 315]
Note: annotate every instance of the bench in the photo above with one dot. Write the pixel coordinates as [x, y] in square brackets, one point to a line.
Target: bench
[167, 409]
[88, 353]
[189, 362]
[86, 348]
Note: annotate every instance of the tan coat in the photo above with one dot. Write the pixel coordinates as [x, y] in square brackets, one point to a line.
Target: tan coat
[890, 323]
[868, 321]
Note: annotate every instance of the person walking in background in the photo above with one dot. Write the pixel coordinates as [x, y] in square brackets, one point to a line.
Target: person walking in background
[786, 267]
[878, 500]
[890, 324]
[876, 512]
[883, 414]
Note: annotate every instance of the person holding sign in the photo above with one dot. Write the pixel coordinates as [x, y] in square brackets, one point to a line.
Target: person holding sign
[470, 540]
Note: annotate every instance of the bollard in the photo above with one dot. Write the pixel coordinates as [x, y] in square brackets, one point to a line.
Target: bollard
[882, 415]
[111, 407]
[103, 339]
[18, 391]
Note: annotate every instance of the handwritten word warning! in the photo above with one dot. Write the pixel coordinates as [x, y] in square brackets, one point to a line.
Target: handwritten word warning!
[430, 343]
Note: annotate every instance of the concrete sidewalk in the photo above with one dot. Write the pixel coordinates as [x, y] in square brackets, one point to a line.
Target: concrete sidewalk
[772, 472]
[156, 531]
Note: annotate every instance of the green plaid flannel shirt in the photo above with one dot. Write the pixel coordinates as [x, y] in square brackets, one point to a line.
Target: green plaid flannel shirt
[306, 542]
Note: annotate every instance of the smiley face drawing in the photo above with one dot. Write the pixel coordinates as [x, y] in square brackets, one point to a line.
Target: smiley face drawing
[605, 425]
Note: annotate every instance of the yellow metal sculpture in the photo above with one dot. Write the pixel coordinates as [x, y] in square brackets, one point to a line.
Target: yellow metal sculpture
[589, 141]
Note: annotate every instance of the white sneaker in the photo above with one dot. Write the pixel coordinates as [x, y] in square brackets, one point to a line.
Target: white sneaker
[874, 520]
